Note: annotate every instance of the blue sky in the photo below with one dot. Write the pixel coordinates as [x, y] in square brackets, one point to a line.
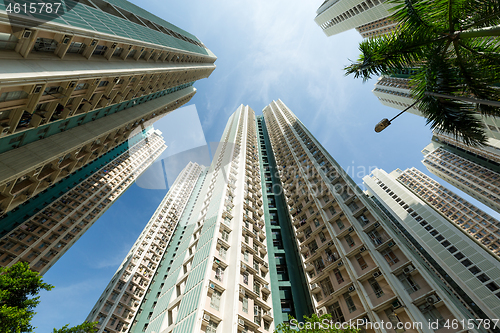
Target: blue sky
[266, 50]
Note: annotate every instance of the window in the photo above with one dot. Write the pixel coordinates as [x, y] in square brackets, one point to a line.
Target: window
[376, 287]
[336, 312]
[256, 287]
[222, 252]
[432, 314]
[466, 262]
[215, 300]
[257, 312]
[245, 255]
[483, 278]
[353, 207]
[219, 273]
[313, 246]
[338, 276]
[211, 327]
[475, 270]
[322, 236]
[445, 243]
[340, 224]
[390, 257]
[326, 286]
[316, 223]
[332, 210]
[225, 235]
[492, 286]
[349, 241]
[244, 304]
[350, 303]
[245, 278]
[361, 261]
[408, 282]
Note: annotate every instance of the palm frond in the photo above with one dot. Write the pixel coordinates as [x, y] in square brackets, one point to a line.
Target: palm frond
[479, 13]
[460, 119]
[385, 54]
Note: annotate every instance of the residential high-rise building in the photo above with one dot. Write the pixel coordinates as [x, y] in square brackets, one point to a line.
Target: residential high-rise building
[275, 227]
[44, 237]
[117, 306]
[475, 171]
[473, 272]
[369, 17]
[480, 226]
[79, 82]
[358, 263]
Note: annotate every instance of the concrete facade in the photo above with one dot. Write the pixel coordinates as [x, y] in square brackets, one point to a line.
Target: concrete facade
[473, 268]
[118, 305]
[336, 16]
[480, 226]
[42, 239]
[74, 87]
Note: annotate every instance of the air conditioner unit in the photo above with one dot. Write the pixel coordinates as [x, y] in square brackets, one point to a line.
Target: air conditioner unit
[96, 81]
[351, 288]
[351, 229]
[408, 269]
[330, 243]
[391, 244]
[94, 41]
[206, 317]
[340, 263]
[72, 84]
[4, 130]
[114, 45]
[212, 286]
[376, 225]
[241, 322]
[376, 274]
[432, 299]
[314, 286]
[66, 39]
[322, 311]
[37, 89]
[243, 266]
[242, 291]
[266, 265]
[362, 249]
[27, 33]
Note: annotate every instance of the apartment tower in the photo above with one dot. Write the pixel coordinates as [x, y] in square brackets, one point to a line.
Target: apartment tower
[274, 227]
[474, 170]
[369, 17]
[74, 85]
[358, 264]
[117, 306]
[480, 226]
[472, 270]
[44, 237]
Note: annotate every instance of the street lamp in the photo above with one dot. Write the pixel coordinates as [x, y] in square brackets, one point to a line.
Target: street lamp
[382, 125]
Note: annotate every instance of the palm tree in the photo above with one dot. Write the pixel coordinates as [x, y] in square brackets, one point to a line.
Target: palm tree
[453, 46]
